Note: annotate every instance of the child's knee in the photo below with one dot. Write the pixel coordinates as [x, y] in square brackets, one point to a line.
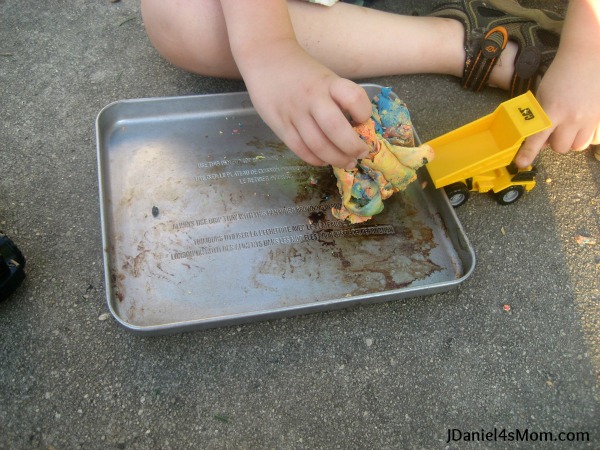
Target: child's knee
[190, 34]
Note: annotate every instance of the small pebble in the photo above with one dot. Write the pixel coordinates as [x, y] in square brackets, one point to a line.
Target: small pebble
[585, 240]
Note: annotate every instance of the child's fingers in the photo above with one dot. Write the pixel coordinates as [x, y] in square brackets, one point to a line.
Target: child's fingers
[320, 145]
[562, 139]
[291, 137]
[336, 127]
[351, 98]
[531, 148]
[584, 139]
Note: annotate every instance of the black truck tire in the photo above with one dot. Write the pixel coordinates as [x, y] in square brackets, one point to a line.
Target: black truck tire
[457, 193]
[509, 195]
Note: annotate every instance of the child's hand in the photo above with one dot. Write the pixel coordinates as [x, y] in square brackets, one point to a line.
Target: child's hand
[305, 103]
[569, 91]
[572, 104]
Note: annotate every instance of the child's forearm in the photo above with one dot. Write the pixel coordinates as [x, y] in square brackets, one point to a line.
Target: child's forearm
[256, 29]
[302, 100]
[581, 31]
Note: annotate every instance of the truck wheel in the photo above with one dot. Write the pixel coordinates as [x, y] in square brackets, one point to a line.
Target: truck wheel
[509, 195]
[457, 193]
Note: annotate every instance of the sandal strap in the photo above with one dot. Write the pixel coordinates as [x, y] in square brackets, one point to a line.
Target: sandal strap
[477, 70]
[536, 50]
[483, 21]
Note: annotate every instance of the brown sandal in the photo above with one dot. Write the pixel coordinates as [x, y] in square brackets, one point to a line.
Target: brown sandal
[489, 25]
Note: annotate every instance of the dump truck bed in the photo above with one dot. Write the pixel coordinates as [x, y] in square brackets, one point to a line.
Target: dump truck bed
[487, 143]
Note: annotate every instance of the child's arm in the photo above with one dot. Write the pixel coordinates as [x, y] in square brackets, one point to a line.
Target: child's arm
[299, 98]
[570, 91]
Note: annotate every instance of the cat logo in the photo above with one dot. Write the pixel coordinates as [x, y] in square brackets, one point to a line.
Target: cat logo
[526, 113]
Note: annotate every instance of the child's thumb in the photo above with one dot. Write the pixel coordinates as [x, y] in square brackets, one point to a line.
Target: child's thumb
[531, 148]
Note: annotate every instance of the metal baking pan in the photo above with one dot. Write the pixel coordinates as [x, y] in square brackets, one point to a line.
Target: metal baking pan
[209, 220]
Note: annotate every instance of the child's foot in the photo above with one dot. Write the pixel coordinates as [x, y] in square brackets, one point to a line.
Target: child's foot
[506, 45]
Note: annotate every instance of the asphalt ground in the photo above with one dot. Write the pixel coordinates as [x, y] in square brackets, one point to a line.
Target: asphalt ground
[393, 375]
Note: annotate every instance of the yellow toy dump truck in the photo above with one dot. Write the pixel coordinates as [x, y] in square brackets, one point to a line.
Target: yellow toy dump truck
[478, 156]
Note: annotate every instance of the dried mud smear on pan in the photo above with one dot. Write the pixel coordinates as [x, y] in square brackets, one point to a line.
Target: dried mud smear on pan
[271, 144]
[313, 183]
[365, 264]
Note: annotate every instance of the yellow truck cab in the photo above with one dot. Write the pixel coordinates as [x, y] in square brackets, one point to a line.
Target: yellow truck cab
[477, 157]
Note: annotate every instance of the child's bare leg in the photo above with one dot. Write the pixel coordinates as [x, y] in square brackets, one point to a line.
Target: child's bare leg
[354, 42]
[191, 34]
